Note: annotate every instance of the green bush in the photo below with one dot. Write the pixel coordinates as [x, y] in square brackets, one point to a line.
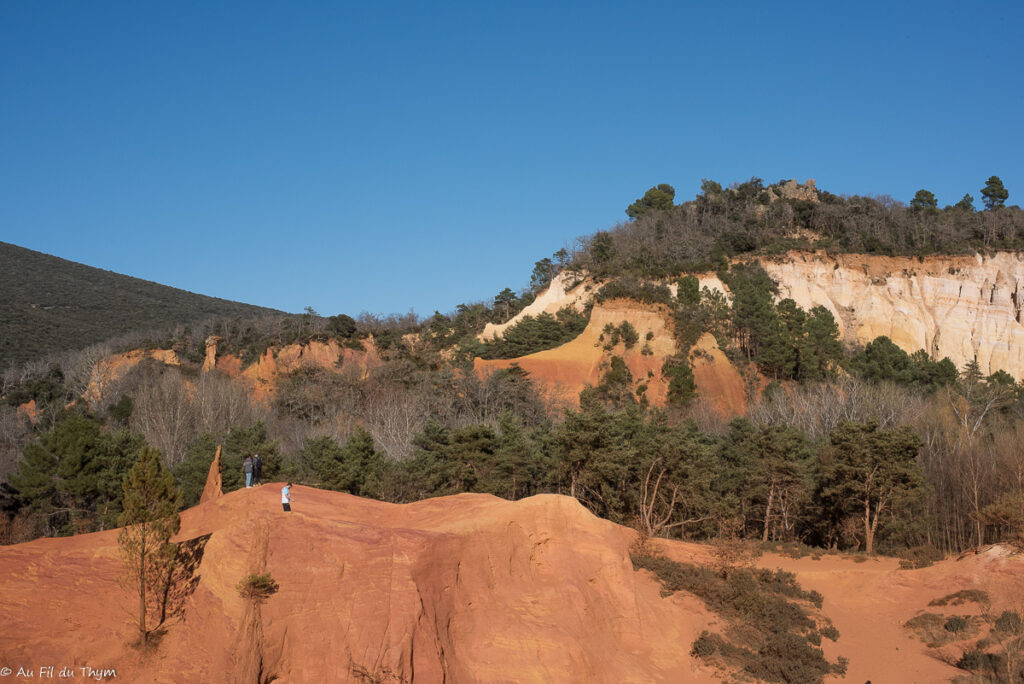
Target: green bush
[705, 645]
[257, 587]
[629, 287]
[775, 636]
[534, 334]
[961, 597]
[955, 623]
[830, 632]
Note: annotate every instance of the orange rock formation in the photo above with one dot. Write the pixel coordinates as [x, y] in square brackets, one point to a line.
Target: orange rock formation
[583, 361]
[460, 589]
[113, 368]
[213, 488]
[29, 410]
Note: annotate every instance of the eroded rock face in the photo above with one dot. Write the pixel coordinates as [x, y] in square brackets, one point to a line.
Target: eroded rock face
[960, 307]
[213, 488]
[567, 369]
[563, 291]
[111, 370]
[466, 588]
[469, 588]
[210, 361]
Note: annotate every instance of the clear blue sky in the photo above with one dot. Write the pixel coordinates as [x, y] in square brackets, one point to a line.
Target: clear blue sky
[387, 156]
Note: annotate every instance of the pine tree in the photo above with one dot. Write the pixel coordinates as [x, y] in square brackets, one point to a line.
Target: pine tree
[150, 518]
[994, 194]
[872, 474]
[924, 199]
[966, 203]
[660, 198]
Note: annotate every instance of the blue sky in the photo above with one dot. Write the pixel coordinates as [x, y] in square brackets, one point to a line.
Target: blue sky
[388, 156]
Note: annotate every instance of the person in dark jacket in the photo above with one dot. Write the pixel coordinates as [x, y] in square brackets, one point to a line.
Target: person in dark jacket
[257, 469]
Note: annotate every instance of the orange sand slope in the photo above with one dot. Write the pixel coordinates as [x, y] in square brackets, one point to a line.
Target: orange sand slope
[469, 588]
[582, 361]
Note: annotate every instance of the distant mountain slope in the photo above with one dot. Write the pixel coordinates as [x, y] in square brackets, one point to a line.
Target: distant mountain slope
[49, 304]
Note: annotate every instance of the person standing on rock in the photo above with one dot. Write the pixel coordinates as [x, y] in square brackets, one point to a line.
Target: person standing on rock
[286, 497]
[257, 469]
[247, 469]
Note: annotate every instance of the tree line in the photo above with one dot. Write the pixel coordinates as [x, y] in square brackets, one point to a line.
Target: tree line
[664, 239]
[867, 468]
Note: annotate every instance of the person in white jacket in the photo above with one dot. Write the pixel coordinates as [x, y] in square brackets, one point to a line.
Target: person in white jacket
[286, 497]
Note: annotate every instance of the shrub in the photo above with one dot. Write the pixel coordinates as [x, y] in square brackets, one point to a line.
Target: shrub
[830, 632]
[636, 289]
[705, 645]
[920, 557]
[1009, 622]
[977, 660]
[257, 587]
[955, 623]
[929, 628]
[773, 638]
[629, 334]
[960, 597]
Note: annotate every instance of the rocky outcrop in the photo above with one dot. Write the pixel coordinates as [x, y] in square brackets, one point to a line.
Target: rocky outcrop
[793, 190]
[111, 370]
[262, 375]
[961, 307]
[29, 411]
[718, 382]
[213, 488]
[210, 361]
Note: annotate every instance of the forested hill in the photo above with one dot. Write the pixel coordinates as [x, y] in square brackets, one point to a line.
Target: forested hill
[49, 304]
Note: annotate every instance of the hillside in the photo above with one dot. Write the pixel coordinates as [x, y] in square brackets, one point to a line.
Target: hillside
[50, 305]
[462, 588]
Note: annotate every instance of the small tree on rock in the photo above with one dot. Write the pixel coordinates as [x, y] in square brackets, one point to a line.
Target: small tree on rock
[150, 518]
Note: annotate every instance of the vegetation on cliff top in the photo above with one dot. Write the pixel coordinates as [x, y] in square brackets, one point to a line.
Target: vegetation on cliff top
[665, 240]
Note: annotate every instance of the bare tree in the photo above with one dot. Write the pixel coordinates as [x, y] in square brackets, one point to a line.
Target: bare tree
[164, 414]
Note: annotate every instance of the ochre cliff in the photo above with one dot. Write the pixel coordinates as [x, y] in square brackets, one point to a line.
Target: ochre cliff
[112, 369]
[260, 377]
[961, 307]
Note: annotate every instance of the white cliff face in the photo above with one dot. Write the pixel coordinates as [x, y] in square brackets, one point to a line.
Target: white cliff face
[562, 292]
[960, 307]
